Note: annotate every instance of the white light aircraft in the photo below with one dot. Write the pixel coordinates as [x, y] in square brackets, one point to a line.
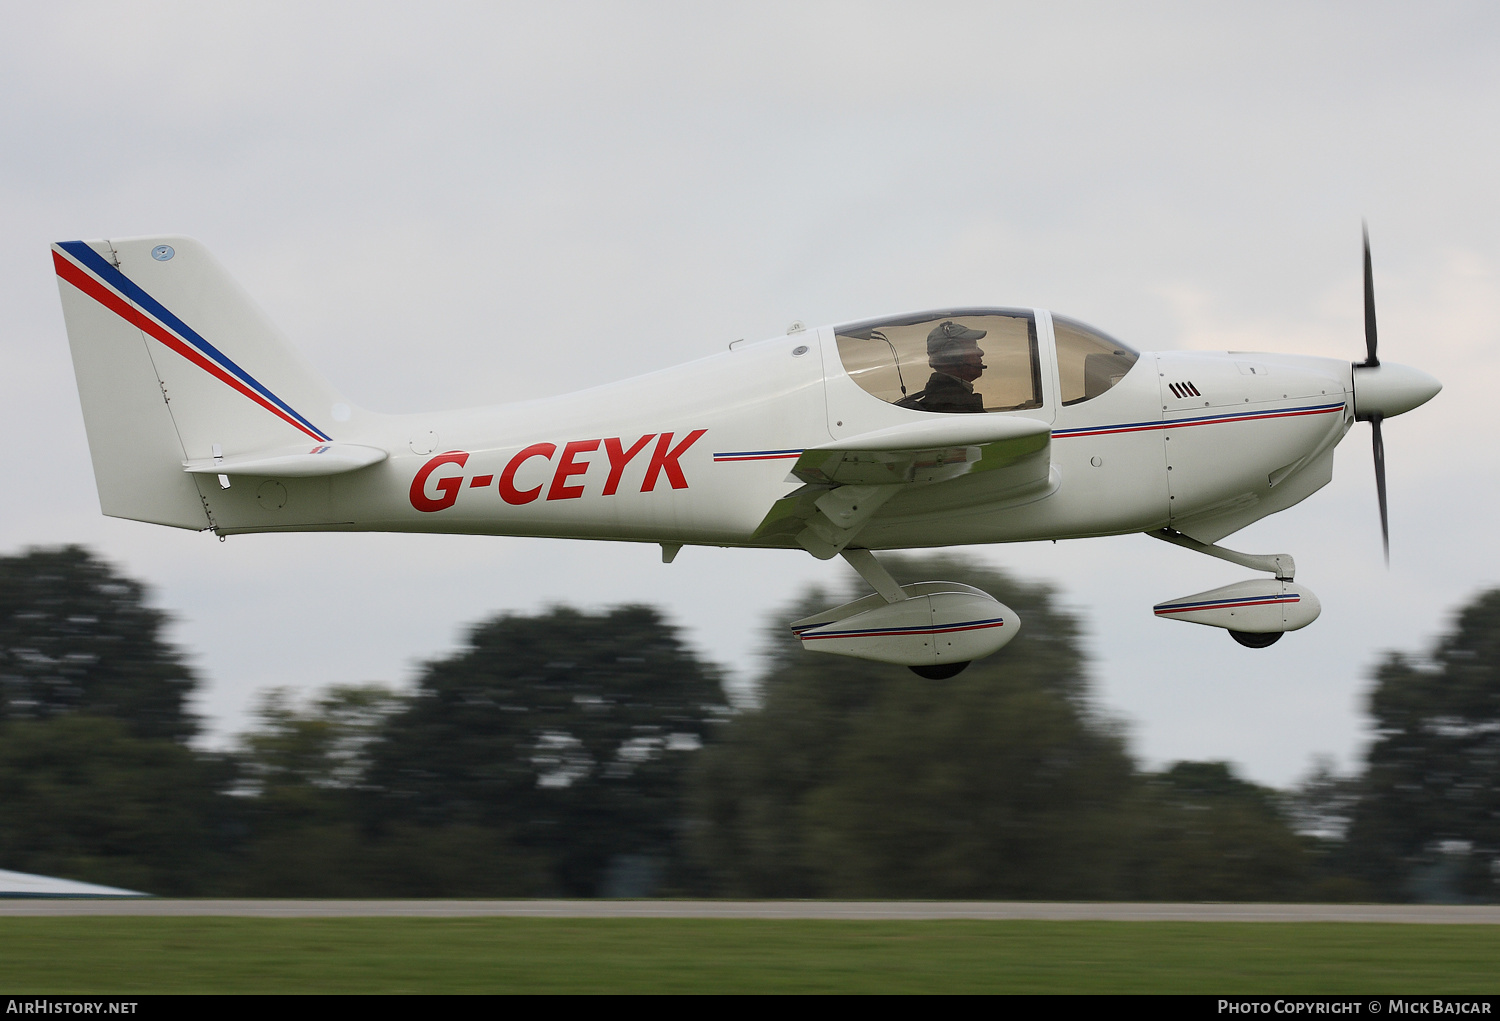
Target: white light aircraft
[947, 427]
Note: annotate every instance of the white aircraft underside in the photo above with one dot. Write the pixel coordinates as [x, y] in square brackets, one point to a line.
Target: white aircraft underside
[200, 415]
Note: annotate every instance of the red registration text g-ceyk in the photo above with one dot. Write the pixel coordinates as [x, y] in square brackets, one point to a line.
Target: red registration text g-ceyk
[438, 482]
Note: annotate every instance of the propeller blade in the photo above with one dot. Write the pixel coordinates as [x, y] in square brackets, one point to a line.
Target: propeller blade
[1370, 358]
[1385, 524]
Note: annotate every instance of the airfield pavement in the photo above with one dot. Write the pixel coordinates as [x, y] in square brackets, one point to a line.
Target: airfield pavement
[1426, 914]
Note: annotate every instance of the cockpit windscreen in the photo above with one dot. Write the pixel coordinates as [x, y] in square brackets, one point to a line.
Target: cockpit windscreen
[1088, 362]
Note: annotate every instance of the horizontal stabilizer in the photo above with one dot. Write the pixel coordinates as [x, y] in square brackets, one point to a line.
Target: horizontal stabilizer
[291, 463]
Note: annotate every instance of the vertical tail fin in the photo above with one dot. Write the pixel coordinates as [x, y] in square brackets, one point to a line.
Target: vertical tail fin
[175, 362]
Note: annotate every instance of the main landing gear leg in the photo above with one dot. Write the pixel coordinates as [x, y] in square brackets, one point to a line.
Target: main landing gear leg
[873, 572]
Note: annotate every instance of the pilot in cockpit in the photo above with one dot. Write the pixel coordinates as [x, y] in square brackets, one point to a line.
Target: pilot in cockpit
[956, 360]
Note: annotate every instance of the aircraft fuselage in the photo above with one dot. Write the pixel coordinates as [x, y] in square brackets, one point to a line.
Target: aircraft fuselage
[1202, 442]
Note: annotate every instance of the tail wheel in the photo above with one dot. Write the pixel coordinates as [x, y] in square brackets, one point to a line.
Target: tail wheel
[939, 671]
[1252, 640]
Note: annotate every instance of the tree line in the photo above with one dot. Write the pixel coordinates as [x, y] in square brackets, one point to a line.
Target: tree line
[569, 753]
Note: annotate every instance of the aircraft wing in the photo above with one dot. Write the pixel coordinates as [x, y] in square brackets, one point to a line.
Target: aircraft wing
[848, 480]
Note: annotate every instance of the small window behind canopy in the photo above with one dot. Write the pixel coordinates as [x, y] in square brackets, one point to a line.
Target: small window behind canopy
[964, 360]
[1088, 362]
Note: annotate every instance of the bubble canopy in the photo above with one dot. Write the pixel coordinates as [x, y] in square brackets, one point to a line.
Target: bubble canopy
[975, 359]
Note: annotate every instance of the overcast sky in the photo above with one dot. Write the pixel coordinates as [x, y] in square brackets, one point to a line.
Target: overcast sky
[458, 204]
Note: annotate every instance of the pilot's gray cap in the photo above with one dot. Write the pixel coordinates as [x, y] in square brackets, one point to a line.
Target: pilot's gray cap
[948, 335]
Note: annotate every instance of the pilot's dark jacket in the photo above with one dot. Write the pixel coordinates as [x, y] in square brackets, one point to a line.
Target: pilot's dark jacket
[949, 393]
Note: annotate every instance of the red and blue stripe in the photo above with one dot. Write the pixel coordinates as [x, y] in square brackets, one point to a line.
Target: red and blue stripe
[1183, 423]
[759, 455]
[1098, 430]
[1219, 604]
[807, 634]
[122, 296]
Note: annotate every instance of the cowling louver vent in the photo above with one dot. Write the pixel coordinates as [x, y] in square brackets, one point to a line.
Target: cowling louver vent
[1183, 390]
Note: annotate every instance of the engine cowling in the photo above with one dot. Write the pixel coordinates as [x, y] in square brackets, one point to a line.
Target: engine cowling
[937, 623]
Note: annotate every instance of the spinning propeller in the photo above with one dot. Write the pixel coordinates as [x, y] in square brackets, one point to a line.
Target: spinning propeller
[1372, 361]
[1381, 391]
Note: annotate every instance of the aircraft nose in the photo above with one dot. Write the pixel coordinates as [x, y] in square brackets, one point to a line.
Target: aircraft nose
[1388, 389]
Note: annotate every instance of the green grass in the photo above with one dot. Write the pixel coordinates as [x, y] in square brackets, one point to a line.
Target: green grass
[484, 955]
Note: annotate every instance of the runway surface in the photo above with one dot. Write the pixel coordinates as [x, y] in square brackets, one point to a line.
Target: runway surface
[1441, 914]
